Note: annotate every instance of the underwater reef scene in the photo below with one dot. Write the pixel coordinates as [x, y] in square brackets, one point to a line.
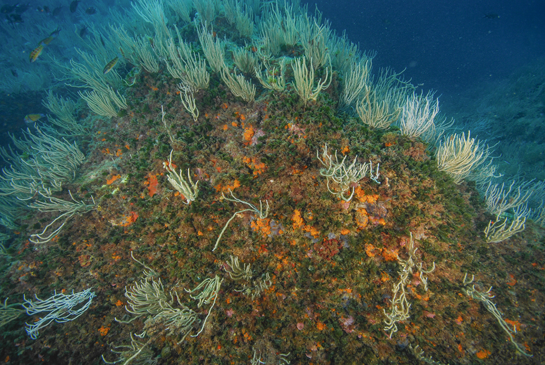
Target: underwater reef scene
[231, 182]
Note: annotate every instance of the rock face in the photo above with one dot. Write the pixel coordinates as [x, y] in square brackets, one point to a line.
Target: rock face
[319, 278]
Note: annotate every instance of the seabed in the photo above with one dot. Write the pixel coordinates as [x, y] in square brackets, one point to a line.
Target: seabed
[299, 274]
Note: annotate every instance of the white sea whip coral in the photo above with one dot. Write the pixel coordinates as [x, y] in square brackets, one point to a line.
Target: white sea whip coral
[60, 308]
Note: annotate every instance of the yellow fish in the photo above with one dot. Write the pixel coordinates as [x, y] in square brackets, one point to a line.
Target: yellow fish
[31, 118]
[110, 65]
[37, 51]
[51, 36]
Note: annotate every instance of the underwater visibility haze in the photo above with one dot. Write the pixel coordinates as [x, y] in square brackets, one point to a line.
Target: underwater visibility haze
[272, 182]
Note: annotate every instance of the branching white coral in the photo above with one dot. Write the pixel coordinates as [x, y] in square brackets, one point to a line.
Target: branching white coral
[187, 188]
[344, 175]
[59, 308]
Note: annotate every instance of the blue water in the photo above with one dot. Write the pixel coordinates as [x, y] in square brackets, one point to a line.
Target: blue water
[445, 45]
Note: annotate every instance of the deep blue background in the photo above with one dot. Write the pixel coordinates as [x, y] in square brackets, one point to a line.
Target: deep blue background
[447, 45]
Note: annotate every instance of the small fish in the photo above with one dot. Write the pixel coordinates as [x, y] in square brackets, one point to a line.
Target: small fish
[31, 118]
[90, 10]
[36, 52]
[83, 31]
[74, 5]
[6, 9]
[14, 73]
[491, 16]
[20, 9]
[14, 19]
[50, 37]
[110, 65]
[44, 9]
